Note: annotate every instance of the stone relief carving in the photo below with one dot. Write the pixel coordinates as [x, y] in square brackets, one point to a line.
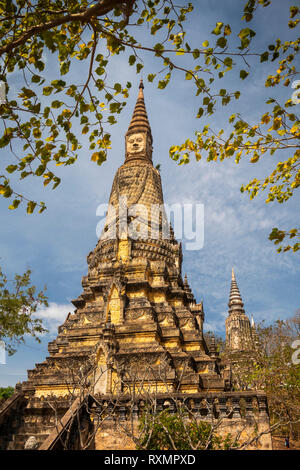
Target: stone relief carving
[136, 143]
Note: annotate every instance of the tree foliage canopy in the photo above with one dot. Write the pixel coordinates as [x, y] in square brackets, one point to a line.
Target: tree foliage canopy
[274, 366]
[5, 392]
[175, 431]
[39, 118]
[18, 303]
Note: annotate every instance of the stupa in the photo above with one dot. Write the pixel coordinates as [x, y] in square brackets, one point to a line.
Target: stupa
[135, 313]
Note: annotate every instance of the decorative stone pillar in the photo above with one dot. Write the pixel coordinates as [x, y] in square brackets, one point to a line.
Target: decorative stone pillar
[236, 409]
[249, 408]
[122, 412]
[210, 407]
[264, 423]
[196, 407]
[262, 406]
[169, 404]
[223, 407]
[159, 406]
[109, 380]
[135, 411]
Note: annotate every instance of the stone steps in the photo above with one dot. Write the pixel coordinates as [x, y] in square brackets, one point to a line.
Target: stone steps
[17, 443]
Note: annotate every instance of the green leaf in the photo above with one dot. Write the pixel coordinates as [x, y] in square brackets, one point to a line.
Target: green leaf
[162, 84]
[222, 42]
[11, 168]
[15, 204]
[30, 207]
[264, 56]
[243, 74]
[56, 104]
[99, 157]
[27, 93]
[246, 32]
[293, 11]
[118, 87]
[40, 170]
[35, 78]
[158, 47]
[47, 90]
[228, 62]
[227, 30]
[112, 120]
[218, 28]
[151, 77]
[200, 112]
[100, 70]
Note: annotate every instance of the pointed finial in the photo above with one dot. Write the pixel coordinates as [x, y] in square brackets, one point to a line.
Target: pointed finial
[235, 299]
[108, 316]
[213, 349]
[139, 121]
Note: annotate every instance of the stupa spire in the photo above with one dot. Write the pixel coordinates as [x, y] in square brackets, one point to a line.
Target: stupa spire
[139, 136]
[235, 300]
[139, 121]
[238, 328]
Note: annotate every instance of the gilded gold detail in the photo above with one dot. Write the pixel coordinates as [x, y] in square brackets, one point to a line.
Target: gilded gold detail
[171, 344]
[193, 347]
[123, 250]
[114, 306]
[57, 391]
[187, 389]
[138, 293]
[158, 297]
[139, 338]
[176, 303]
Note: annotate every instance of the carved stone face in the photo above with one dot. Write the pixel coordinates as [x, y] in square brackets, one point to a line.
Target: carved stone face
[135, 143]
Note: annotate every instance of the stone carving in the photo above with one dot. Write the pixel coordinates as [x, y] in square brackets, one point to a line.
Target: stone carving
[31, 443]
[136, 143]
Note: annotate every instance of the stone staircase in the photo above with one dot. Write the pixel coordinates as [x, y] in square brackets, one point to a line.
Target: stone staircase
[21, 418]
[18, 440]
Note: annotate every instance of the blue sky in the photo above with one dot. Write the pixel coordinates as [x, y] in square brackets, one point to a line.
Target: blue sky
[54, 245]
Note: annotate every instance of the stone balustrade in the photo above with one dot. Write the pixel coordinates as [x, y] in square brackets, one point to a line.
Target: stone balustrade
[227, 405]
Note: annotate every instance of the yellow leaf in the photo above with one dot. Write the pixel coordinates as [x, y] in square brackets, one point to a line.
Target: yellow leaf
[255, 158]
[294, 129]
[95, 156]
[265, 119]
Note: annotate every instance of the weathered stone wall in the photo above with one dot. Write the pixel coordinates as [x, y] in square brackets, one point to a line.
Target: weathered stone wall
[242, 415]
[110, 436]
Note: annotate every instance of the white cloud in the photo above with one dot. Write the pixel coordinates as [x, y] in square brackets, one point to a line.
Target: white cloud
[54, 315]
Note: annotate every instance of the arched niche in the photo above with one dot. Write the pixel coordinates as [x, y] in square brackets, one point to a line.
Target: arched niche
[115, 304]
[102, 373]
